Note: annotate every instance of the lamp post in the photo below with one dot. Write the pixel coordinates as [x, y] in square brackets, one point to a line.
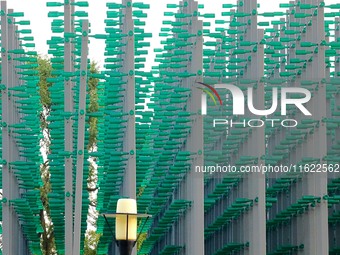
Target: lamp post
[126, 224]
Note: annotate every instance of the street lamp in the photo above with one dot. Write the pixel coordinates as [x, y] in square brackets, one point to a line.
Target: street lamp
[126, 224]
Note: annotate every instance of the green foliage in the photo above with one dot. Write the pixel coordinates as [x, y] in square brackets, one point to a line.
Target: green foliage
[92, 238]
[141, 239]
[91, 241]
[44, 68]
[47, 237]
[94, 106]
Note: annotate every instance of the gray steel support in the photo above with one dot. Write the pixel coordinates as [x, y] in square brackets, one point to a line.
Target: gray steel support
[6, 193]
[81, 138]
[256, 181]
[129, 184]
[337, 71]
[23, 242]
[128, 188]
[68, 108]
[12, 238]
[253, 223]
[336, 36]
[194, 186]
[73, 7]
[318, 220]
[313, 225]
[13, 152]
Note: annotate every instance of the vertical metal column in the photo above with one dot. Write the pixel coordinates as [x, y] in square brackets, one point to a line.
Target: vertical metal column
[17, 243]
[129, 145]
[257, 183]
[73, 7]
[6, 210]
[335, 230]
[194, 190]
[129, 186]
[317, 182]
[129, 183]
[68, 108]
[313, 225]
[23, 242]
[81, 138]
[337, 35]
[253, 187]
[12, 236]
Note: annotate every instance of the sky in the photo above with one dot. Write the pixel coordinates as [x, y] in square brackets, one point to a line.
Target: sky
[36, 11]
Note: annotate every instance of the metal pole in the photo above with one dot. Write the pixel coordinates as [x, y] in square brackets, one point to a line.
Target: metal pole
[68, 108]
[81, 138]
[253, 223]
[313, 225]
[6, 210]
[129, 184]
[11, 229]
[257, 184]
[17, 240]
[23, 242]
[194, 189]
[317, 182]
[129, 145]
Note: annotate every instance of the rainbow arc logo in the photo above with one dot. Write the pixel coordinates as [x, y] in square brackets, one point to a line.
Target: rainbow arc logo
[211, 91]
[242, 99]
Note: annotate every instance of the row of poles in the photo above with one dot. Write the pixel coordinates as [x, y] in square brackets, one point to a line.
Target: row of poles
[13, 241]
[310, 230]
[314, 229]
[10, 115]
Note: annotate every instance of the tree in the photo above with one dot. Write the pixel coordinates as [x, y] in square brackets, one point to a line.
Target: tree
[91, 241]
[92, 238]
[47, 237]
[94, 106]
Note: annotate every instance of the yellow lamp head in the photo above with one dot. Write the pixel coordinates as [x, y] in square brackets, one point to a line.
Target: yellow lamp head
[126, 220]
[126, 224]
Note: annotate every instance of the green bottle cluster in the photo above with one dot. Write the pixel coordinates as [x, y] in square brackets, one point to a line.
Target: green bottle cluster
[23, 126]
[57, 116]
[297, 46]
[121, 67]
[170, 128]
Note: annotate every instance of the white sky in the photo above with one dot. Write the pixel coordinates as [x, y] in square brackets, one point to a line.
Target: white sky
[36, 11]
